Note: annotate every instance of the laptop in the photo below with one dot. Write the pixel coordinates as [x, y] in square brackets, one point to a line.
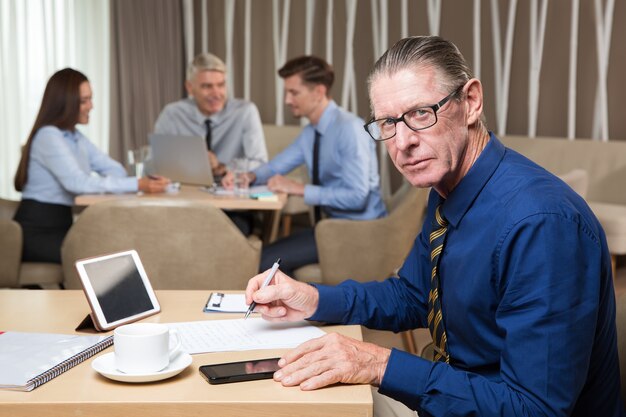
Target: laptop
[181, 158]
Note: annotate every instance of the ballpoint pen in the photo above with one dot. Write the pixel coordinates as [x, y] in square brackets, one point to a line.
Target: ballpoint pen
[267, 281]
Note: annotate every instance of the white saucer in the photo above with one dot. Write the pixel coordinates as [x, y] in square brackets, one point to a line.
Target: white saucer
[105, 366]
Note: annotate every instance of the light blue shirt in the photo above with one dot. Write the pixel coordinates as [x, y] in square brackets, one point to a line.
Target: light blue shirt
[348, 166]
[62, 166]
[236, 130]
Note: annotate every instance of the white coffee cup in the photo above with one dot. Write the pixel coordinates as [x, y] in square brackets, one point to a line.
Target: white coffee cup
[142, 348]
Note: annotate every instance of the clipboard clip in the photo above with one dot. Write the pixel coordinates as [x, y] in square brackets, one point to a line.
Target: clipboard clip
[216, 299]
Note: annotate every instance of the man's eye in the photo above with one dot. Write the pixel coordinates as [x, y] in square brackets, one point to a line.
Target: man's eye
[417, 113]
[387, 122]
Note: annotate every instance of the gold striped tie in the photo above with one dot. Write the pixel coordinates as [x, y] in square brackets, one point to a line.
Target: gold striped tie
[435, 318]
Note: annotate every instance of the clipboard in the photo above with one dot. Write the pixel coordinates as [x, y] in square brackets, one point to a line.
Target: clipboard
[220, 302]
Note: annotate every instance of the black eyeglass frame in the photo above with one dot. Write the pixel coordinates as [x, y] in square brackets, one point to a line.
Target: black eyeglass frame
[396, 120]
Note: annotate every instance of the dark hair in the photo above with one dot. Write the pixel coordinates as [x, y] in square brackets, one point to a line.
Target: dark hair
[312, 69]
[60, 106]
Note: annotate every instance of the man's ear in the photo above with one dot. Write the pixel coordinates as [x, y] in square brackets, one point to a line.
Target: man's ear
[473, 100]
[321, 90]
[188, 87]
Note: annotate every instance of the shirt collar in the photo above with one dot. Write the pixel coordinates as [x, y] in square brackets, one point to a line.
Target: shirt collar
[462, 197]
[328, 116]
[201, 118]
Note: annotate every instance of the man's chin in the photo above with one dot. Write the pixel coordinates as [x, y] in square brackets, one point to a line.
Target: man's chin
[213, 109]
[418, 180]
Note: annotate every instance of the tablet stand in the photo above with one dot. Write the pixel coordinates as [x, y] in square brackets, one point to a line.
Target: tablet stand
[87, 325]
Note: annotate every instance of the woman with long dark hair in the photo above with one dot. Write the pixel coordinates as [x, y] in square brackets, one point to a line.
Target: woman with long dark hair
[58, 163]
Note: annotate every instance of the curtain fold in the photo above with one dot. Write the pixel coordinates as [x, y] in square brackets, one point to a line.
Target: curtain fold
[38, 38]
[147, 68]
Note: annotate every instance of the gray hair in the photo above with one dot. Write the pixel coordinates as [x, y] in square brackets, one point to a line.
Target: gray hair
[425, 51]
[205, 62]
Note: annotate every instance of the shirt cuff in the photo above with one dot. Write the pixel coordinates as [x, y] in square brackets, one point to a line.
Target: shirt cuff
[329, 307]
[312, 195]
[405, 377]
[263, 173]
[129, 184]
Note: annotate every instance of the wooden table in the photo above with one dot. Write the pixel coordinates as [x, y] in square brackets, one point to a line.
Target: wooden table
[82, 392]
[197, 193]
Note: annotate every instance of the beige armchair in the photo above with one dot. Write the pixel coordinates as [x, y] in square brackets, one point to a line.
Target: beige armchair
[182, 244]
[13, 272]
[370, 249]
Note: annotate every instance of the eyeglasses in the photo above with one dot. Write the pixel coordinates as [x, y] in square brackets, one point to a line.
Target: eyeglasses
[416, 119]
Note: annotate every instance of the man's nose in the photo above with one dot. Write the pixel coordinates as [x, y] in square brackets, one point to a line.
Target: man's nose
[405, 136]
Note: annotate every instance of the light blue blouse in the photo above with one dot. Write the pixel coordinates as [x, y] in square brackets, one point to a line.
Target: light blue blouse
[64, 164]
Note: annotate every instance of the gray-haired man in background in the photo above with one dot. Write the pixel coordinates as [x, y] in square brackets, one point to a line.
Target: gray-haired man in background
[232, 127]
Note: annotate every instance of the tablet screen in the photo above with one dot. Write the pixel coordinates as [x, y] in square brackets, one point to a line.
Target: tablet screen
[117, 288]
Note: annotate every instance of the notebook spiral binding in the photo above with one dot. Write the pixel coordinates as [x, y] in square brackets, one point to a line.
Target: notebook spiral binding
[68, 363]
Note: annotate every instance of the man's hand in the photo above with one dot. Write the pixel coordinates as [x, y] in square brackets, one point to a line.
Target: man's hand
[217, 167]
[153, 184]
[332, 359]
[285, 299]
[280, 184]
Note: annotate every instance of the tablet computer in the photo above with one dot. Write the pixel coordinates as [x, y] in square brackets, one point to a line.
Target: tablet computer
[117, 288]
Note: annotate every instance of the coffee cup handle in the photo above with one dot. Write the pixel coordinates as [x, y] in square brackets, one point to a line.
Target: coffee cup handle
[178, 348]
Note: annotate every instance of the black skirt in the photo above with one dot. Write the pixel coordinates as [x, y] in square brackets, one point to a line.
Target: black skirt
[44, 227]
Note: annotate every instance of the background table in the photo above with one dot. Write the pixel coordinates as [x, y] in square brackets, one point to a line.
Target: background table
[197, 193]
[83, 392]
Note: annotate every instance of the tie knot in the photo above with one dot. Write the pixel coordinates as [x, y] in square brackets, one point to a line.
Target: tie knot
[208, 123]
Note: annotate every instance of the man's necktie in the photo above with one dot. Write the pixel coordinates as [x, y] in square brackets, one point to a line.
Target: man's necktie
[435, 318]
[316, 173]
[208, 136]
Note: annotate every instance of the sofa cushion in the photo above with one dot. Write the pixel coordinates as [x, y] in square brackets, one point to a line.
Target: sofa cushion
[578, 180]
[613, 220]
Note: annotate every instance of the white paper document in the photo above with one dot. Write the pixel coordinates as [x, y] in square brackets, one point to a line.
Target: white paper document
[240, 334]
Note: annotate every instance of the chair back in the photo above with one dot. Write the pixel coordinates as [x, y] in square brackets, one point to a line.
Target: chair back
[371, 249]
[10, 245]
[182, 244]
[8, 208]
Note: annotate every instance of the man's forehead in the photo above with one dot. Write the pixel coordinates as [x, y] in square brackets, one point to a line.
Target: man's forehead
[402, 90]
[210, 76]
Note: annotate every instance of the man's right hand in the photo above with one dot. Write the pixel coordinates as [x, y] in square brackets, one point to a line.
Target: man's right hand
[285, 299]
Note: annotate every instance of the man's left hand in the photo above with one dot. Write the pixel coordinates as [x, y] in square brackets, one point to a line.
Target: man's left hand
[332, 359]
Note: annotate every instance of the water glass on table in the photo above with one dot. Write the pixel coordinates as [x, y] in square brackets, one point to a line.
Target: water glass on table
[239, 167]
[136, 159]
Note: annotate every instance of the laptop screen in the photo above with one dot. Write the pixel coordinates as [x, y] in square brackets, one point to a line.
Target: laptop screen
[181, 158]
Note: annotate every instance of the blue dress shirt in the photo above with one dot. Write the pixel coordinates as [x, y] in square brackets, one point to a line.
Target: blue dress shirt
[61, 166]
[348, 166]
[527, 299]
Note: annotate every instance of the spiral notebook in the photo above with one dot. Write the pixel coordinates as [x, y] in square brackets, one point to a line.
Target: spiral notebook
[28, 360]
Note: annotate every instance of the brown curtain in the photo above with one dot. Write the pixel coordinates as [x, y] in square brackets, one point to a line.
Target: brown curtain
[147, 68]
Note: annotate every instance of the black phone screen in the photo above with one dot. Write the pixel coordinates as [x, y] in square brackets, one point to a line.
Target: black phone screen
[240, 371]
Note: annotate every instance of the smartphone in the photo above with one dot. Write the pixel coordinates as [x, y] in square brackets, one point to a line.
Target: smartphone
[223, 373]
